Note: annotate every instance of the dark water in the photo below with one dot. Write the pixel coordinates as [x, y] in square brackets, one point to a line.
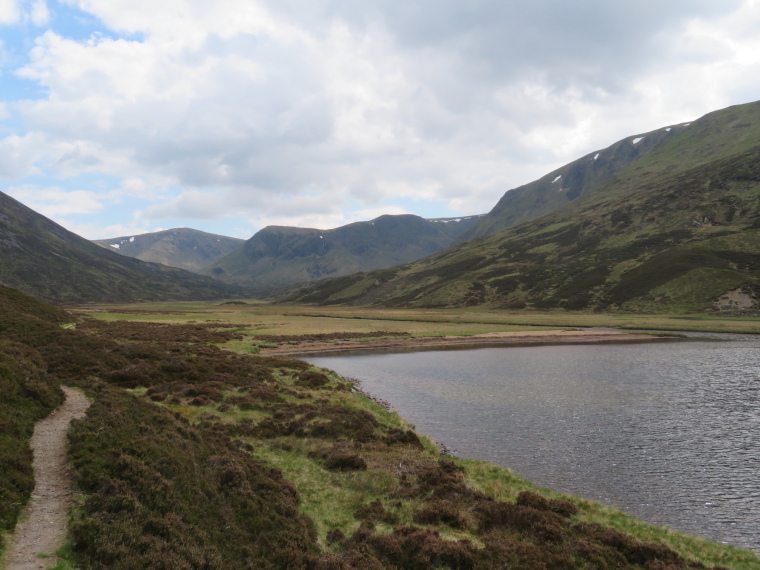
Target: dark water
[668, 432]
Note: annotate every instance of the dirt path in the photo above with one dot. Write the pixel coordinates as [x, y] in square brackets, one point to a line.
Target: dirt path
[518, 337]
[44, 529]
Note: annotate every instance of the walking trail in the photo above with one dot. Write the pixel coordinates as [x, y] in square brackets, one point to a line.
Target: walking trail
[37, 538]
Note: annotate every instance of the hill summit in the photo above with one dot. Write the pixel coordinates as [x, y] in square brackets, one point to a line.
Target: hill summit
[677, 228]
[184, 248]
[280, 256]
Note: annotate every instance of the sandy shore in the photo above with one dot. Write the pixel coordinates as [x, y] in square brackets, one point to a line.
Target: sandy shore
[310, 347]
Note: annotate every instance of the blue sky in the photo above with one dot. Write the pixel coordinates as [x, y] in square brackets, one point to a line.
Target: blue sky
[118, 118]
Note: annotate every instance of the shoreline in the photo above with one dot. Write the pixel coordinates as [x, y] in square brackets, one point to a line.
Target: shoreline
[498, 338]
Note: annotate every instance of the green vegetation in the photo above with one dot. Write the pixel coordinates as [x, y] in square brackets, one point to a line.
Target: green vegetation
[194, 456]
[260, 322]
[28, 394]
[674, 230]
[43, 259]
[280, 256]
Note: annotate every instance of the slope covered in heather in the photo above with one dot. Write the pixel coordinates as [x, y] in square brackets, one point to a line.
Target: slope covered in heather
[44, 259]
[676, 230]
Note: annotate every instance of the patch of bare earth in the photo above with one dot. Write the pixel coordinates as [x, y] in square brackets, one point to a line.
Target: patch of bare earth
[36, 539]
[553, 336]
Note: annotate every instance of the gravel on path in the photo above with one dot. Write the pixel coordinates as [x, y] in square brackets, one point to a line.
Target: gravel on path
[44, 527]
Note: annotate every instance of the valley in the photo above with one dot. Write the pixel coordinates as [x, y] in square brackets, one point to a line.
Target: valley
[188, 356]
[302, 467]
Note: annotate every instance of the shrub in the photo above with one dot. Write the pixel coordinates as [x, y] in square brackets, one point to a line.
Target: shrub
[143, 508]
[28, 394]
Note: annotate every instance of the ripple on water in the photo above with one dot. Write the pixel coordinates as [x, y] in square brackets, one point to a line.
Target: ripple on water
[665, 431]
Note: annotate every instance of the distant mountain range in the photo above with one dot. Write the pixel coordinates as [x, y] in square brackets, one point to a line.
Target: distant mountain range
[279, 256]
[184, 248]
[43, 259]
[662, 221]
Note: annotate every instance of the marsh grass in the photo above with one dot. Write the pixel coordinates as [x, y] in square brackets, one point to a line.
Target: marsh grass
[328, 499]
[287, 454]
[262, 320]
[500, 483]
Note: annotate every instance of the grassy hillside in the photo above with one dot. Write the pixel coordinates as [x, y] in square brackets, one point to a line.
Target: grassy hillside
[192, 456]
[279, 256]
[183, 248]
[717, 135]
[567, 184]
[304, 472]
[41, 258]
[678, 230]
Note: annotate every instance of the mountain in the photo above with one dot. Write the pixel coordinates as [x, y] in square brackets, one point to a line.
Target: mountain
[184, 248]
[43, 259]
[279, 256]
[677, 229]
[563, 186]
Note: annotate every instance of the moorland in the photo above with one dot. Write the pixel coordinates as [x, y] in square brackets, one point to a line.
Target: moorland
[295, 466]
[203, 450]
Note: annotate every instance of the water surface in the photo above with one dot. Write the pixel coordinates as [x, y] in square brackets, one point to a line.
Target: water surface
[668, 432]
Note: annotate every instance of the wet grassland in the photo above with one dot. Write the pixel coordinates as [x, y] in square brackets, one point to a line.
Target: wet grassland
[196, 456]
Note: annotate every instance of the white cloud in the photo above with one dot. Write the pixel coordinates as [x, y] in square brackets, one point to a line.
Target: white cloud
[54, 202]
[315, 113]
[9, 11]
[15, 11]
[18, 155]
[39, 13]
[94, 230]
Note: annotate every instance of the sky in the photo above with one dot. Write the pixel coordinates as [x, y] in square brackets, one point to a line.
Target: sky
[119, 118]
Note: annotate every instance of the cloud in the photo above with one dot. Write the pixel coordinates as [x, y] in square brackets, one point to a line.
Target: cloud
[323, 111]
[15, 11]
[18, 155]
[95, 230]
[39, 13]
[9, 11]
[54, 202]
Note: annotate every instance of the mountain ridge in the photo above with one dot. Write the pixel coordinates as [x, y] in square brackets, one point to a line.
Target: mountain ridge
[280, 256]
[184, 248]
[46, 260]
[676, 230]
[562, 186]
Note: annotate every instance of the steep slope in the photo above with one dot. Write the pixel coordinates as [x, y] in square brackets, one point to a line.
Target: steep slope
[183, 248]
[278, 256]
[677, 230]
[563, 186]
[43, 259]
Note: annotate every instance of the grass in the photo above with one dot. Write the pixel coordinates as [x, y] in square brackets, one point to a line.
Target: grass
[28, 395]
[192, 456]
[272, 319]
[332, 500]
[504, 485]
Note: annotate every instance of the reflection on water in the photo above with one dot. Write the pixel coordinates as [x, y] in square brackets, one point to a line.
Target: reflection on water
[669, 432]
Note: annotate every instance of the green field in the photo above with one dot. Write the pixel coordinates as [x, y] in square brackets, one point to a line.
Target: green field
[261, 319]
